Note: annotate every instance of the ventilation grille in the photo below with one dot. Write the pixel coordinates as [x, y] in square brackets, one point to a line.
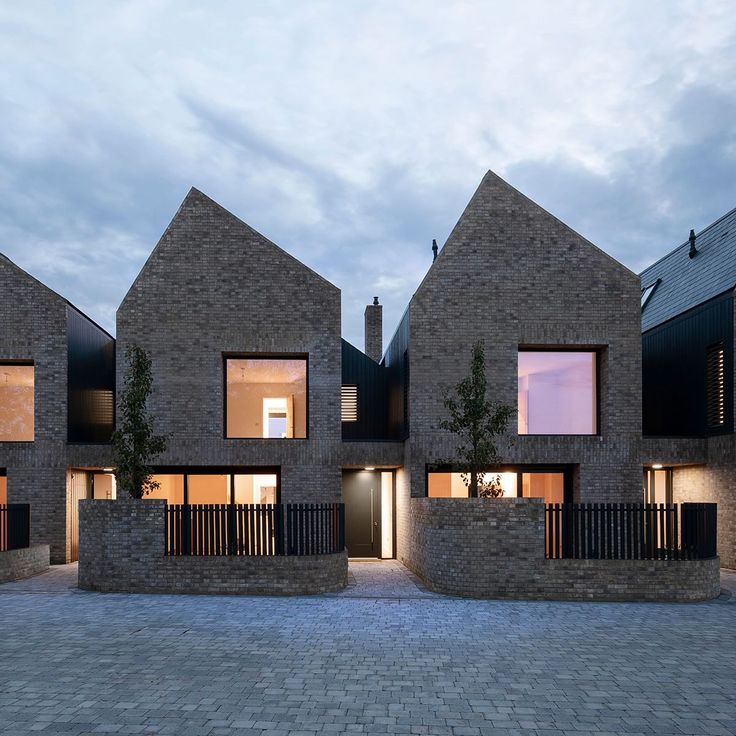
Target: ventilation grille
[715, 388]
[350, 403]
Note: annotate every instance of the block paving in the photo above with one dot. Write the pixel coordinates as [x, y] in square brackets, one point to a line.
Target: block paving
[383, 657]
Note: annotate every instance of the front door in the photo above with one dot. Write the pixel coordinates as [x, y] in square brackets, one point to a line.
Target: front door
[361, 490]
[79, 487]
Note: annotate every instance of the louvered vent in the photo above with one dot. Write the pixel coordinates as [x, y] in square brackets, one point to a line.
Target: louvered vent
[350, 403]
[716, 386]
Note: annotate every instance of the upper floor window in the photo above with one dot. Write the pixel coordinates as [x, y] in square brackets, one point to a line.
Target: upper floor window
[715, 386]
[16, 402]
[557, 392]
[349, 411]
[266, 397]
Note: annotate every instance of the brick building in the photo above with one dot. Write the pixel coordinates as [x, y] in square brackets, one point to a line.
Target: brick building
[263, 402]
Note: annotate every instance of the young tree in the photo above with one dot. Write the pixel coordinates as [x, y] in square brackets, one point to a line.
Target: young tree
[134, 444]
[477, 422]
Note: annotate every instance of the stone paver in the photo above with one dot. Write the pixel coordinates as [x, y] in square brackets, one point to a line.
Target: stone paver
[384, 658]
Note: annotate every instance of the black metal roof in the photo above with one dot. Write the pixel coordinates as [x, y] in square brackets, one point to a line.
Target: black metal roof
[684, 282]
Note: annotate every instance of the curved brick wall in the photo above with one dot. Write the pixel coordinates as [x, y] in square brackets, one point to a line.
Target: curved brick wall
[495, 549]
[121, 549]
[16, 564]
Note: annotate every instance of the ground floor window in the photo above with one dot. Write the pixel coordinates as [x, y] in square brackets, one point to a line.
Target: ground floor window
[234, 485]
[551, 484]
[3, 488]
[658, 485]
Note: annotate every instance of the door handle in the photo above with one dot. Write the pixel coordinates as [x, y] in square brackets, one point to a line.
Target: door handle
[373, 523]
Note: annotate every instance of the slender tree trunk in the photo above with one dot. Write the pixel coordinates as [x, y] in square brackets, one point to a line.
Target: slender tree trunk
[473, 490]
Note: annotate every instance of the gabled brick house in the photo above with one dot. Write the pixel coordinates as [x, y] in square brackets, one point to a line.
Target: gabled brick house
[262, 402]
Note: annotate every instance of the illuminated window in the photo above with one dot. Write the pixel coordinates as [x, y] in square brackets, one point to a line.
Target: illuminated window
[266, 397]
[349, 403]
[715, 387]
[16, 403]
[205, 488]
[500, 484]
[557, 392]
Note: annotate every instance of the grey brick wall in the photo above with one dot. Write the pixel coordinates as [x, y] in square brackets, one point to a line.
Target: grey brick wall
[33, 327]
[16, 564]
[121, 548]
[211, 286]
[514, 275]
[494, 548]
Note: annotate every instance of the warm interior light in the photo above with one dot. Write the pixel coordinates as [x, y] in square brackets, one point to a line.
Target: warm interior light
[368, 468]
[657, 466]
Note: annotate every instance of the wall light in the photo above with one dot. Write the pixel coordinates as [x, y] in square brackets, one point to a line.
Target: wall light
[657, 466]
[107, 470]
[368, 468]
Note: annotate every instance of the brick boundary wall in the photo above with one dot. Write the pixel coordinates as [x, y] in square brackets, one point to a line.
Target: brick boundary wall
[16, 564]
[494, 548]
[122, 549]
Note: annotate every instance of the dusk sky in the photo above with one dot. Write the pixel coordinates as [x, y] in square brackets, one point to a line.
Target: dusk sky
[351, 134]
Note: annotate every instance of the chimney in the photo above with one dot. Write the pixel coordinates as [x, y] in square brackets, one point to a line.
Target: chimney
[693, 249]
[434, 250]
[374, 330]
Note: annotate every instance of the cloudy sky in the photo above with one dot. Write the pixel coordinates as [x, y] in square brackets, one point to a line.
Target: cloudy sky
[353, 133]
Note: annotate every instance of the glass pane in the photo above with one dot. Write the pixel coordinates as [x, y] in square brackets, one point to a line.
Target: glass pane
[557, 392]
[3, 490]
[266, 397]
[452, 485]
[208, 488]
[171, 488]
[549, 486]
[253, 489]
[16, 403]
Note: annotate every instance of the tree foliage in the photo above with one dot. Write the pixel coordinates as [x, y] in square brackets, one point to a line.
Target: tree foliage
[477, 422]
[134, 443]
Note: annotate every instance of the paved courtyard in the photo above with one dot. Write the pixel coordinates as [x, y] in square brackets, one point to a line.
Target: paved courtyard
[384, 656]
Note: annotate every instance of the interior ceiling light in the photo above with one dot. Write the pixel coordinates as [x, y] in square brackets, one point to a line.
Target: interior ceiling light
[657, 466]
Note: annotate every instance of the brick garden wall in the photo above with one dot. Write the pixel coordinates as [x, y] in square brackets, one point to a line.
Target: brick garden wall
[495, 549]
[122, 548]
[16, 564]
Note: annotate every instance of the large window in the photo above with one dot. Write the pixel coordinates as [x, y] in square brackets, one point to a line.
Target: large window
[266, 397]
[557, 392]
[16, 402]
[501, 483]
[210, 488]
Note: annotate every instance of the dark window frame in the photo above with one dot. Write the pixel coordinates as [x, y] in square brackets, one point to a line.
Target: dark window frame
[520, 469]
[598, 351]
[231, 470]
[23, 362]
[264, 356]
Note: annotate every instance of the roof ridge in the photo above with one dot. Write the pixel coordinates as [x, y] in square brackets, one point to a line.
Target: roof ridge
[686, 244]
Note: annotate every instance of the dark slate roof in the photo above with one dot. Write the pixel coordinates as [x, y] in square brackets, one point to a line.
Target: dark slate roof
[686, 282]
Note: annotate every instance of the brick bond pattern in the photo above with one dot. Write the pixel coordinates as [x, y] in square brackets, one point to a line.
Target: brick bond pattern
[495, 549]
[122, 549]
[16, 564]
[514, 275]
[33, 326]
[201, 294]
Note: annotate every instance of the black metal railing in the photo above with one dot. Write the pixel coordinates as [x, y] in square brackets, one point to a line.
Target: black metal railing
[629, 531]
[15, 526]
[255, 529]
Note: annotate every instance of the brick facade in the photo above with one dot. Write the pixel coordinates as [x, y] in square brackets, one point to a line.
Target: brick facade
[122, 549]
[494, 548]
[213, 286]
[16, 564]
[513, 275]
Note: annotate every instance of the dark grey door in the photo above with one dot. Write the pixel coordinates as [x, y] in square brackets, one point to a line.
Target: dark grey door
[361, 490]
